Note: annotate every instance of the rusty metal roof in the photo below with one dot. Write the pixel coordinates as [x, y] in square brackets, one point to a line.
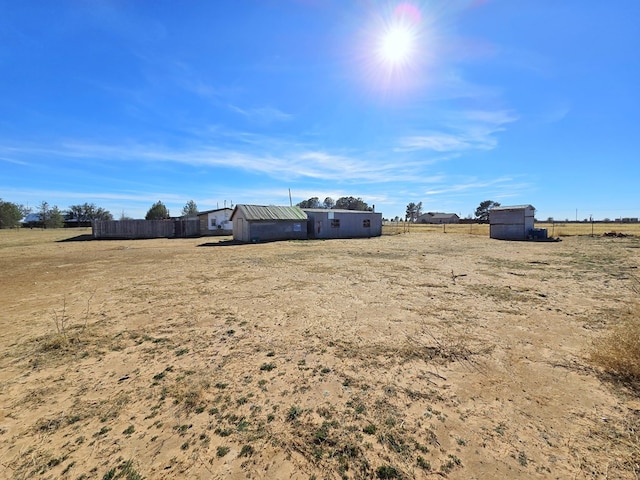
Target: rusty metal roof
[269, 212]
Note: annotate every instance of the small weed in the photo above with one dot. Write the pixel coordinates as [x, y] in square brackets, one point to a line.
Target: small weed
[370, 429]
[271, 354]
[221, 386]
[293, 412]
[424, 464]
[522, 458]
[102, 431]
[181, 351]
[267, 367]
[129, 430]
[182, 429]
[461, 441]
[222, 450]
[246, 451]
[184, 446]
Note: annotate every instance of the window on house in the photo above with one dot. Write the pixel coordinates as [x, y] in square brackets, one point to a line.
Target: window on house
[335, 223]
[366, 223]
[213, 222]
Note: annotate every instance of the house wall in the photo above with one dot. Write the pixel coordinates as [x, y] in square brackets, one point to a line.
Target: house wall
[351, 224]
[437, 220]
[511, 224]
[216, 223]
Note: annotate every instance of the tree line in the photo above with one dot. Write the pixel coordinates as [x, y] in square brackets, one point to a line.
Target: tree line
[11, 214]
[343, 203]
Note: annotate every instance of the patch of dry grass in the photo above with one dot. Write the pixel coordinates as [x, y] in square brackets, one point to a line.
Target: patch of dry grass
[618, 352]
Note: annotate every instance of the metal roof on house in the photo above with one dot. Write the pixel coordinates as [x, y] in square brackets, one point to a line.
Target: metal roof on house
[206, 212]
[338, 210]
[270, 212]
[514, 207]
[440, 215]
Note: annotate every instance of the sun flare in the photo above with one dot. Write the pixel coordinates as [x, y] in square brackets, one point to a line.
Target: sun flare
[397, 45]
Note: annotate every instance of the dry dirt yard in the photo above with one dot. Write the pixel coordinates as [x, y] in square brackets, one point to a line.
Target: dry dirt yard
[405, 356]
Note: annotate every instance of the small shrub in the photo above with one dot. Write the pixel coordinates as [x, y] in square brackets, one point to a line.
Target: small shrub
[387, 471]
[267, 367]
[222, 450]
[129, 430]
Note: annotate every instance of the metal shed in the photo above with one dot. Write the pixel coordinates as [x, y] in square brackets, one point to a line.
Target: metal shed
[260, 223]
[511, 223]
[337, 223]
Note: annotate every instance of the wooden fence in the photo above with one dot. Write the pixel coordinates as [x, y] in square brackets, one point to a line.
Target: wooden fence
[133, 229]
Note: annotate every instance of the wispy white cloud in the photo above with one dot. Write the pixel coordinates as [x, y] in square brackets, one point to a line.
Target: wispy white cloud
[283, 162]
[472, 130]
[14, 161]
[262, 115]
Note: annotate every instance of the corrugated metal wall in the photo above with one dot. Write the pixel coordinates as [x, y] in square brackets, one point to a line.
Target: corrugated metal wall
[280, 230]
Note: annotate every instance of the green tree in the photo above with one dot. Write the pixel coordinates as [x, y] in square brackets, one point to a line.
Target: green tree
[414, 210]
[190, 209]
[482, 212]
[313, 202]
[11, 214]
[351, 203]
[88, 212]
[50, 217]
[329, 202]
[56, 219]
[157, 212]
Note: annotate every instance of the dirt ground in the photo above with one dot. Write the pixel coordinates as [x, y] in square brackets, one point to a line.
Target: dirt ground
[403, 356]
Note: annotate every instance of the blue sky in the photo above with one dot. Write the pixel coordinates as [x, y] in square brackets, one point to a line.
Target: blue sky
[448, 102]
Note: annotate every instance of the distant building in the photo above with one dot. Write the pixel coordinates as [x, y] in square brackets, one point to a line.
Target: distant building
[260, 223]
[511, 223]
[438, 217]
[337, 223]
[216, 222]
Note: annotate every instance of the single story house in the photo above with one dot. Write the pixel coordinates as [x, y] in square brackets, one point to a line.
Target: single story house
[337, 223]
[511, 223]
[438, 217]
[260, 223]
[216, 222]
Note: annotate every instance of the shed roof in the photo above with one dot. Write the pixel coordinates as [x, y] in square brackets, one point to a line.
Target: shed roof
[514, 207]
[270, 212]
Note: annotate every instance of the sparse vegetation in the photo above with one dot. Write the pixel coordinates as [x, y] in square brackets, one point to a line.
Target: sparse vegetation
[409, 375]
[617, 351]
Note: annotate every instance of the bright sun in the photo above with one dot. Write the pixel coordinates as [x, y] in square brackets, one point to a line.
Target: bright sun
[397, 45]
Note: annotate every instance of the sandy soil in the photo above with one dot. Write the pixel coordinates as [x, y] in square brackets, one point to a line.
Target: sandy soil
[404, 356]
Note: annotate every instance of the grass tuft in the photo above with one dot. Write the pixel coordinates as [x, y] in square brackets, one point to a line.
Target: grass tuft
[618, 352]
